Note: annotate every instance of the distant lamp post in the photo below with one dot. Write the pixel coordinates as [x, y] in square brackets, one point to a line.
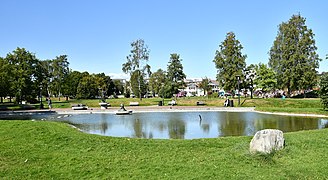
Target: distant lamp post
[238, 81]
[41, 105]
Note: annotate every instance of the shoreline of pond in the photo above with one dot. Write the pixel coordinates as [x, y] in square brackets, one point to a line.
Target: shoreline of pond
[145, 109]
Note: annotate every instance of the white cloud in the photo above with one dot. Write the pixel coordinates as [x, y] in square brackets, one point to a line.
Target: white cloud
[118, 76]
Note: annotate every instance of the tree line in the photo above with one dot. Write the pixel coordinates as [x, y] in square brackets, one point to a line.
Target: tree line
[24, 77]
[293, 64]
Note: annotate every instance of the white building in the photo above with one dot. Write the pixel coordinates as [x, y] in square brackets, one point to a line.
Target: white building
[192, 87]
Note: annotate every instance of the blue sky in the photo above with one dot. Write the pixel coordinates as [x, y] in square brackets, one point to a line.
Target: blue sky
[96, 35]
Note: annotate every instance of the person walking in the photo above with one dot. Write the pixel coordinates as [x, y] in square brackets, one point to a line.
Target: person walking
[49, 103]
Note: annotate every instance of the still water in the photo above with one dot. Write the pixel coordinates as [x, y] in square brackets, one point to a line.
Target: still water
[189, 125]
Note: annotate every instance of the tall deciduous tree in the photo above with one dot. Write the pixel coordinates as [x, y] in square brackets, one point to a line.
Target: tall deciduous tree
[71, 83]
[175, 74]
[5, 77]
[24, 65]
[293, 55]
[44, 76]
[157, 81]
[137, 63]
[265, 78]
[229, 62]
[60, 67]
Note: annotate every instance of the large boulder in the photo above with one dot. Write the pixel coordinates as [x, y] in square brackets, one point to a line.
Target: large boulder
[267, 141]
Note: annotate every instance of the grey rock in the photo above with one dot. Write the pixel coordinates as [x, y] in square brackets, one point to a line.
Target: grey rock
[266, 141]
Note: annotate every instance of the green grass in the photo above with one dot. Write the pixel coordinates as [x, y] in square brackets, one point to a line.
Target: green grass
[52, 150]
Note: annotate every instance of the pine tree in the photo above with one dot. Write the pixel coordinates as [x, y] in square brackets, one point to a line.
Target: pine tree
[293, 55]
[229, 62]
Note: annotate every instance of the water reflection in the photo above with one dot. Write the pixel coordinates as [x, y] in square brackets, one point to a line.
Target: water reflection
[190, 125]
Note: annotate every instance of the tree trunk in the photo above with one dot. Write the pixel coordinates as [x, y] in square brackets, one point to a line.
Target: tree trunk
[1, 100]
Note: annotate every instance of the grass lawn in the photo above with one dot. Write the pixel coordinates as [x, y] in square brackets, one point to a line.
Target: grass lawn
[52, 150]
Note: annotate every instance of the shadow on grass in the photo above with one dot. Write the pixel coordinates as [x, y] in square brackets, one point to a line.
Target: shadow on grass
[12, 106]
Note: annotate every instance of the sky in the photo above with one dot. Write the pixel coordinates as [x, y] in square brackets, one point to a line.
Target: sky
[96, 35]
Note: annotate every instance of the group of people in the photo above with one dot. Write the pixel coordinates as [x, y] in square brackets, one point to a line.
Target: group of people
[227, 102]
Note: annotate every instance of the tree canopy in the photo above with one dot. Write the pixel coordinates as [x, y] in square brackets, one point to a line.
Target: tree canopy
[293, 55]
[229, 62]
[205, 85]
[157, 81]
[265, 78]
[23, 65]
[136, 65]
[324, 90]
[175, 74]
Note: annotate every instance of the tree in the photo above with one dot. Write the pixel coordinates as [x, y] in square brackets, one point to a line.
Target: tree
[138, 84]
[293, 55]
[250, 74]
[118, 87]
[4, 78]
[23, 74]
[205, 85]
[71, 83]
[175, 74]
[324, 90]
[265, 78]
[88, 87]
[44, 76]
[229, 62]
[60, 71]
[137, 63]
[157, 81]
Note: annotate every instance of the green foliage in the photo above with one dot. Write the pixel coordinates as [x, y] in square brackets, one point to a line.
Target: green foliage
[71, 83]
[157, 81]
[166, 90]
[175, 74]
[60, 71]
[5, 82]
[265, 78]
[51, 150]
[137, 63]
[138, 84]
[24, 69]
[293, 55]
[324, 90]
[205, 85]
[229, 62]
[118, 87]
[88, 87]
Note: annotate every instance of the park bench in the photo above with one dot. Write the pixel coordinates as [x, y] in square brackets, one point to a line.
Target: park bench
[134, 104]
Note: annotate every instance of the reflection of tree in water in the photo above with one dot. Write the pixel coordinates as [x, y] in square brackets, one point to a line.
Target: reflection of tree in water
[104, 124]
[205, 127]
[137, 127]
[232, 125]
[103, 127]
[177, 129]
[285, 123]
[138, 130]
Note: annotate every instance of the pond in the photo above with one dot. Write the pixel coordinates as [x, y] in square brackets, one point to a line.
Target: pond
[188, 125]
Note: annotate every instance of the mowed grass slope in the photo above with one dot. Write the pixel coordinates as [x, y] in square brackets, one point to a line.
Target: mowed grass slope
[45, 150]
